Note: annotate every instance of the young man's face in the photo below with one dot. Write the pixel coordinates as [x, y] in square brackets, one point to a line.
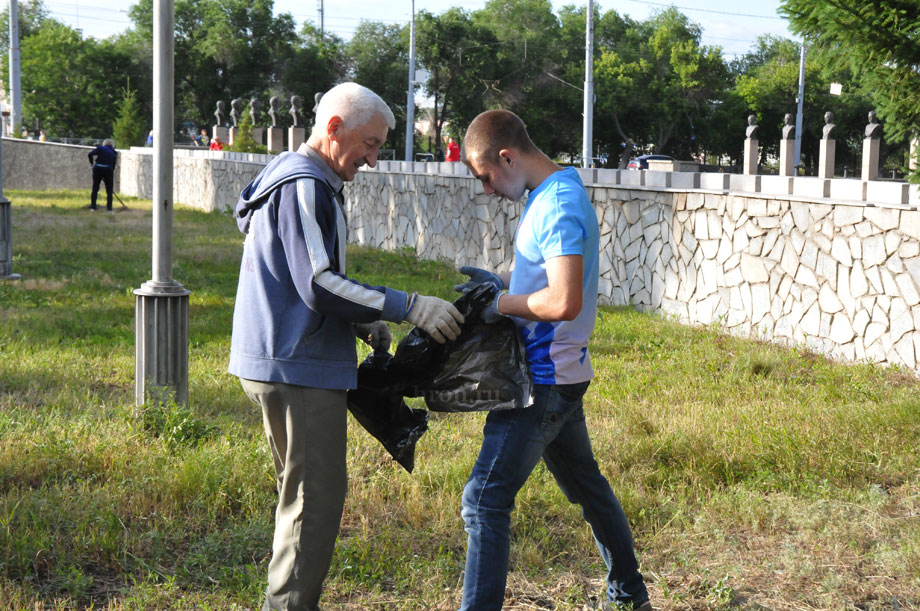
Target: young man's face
[352, 148]
[504, 178]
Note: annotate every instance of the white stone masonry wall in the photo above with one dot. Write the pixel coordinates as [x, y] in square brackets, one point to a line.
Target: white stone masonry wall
[841, 279]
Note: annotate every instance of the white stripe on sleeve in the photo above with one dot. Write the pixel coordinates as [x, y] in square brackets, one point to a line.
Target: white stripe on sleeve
[313, 235]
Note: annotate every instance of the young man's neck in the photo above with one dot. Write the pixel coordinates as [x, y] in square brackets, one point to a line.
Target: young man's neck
[538, 168]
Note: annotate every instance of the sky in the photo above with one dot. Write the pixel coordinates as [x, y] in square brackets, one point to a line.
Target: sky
[733, 25]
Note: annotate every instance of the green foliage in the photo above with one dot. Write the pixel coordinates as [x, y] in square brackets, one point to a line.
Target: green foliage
[130, 128]
[175, 424]
[876, 39]
[379, 56]
[666, 77]
[457, 54]
[243, 142]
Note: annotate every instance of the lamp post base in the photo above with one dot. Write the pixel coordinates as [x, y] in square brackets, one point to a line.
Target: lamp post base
[161, 340]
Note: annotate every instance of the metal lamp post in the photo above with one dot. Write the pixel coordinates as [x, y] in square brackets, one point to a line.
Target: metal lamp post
[161, 304]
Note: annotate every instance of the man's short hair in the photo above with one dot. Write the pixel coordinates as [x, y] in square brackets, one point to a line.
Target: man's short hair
[493, 131]
[108, 142]
[355, 104]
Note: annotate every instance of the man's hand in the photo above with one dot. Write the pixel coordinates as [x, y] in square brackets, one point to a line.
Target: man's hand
[375, 334]
[478, 276]
[491, 315]
[439, 318]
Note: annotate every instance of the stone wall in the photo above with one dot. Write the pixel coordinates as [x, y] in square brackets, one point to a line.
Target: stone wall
[840, 277]
[204, 179]
[34, 165]
[831, 264]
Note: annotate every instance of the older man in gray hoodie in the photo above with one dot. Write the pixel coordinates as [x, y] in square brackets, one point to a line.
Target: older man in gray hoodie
[294, 326]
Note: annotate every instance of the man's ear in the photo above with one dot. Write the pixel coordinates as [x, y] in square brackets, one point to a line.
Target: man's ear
[334, 126]
[507, 156]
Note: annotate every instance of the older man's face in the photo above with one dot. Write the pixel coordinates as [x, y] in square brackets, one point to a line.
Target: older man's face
[352, 148]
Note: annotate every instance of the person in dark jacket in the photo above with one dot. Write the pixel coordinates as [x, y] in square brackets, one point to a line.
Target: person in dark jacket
[103, 159]
[295, 321]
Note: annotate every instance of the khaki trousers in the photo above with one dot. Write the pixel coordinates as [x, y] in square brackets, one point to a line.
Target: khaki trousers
[306, 431]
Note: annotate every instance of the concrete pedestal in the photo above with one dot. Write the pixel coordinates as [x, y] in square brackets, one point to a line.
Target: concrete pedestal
[826, 158]
[6, 241]
[258, 134]
[870, 158]
[912, 163]
[221, 132]
[275, 139]
[234, 134]
[296, 137]
[751, 156]
[787, 157]
[161, 353]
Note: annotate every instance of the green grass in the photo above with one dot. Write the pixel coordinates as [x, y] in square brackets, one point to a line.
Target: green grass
[754, 476]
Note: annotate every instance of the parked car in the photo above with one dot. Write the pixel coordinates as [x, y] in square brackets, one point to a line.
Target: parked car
[641, 162]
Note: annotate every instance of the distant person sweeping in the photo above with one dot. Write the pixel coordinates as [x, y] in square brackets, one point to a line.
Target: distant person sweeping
[103, 159]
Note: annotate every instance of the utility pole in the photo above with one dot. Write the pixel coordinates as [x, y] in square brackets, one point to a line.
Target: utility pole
[588, 130]
[410, 95]
[799, 111]
[15, 87]
[319, 11]
[161, 304]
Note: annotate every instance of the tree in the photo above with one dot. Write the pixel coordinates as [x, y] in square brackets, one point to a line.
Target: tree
[876, 39]
[244, 142]
[664, 77]
[130, 127]
[32, 16]
[458, 56]
[379, 58]
[528, 71]
[224, 49]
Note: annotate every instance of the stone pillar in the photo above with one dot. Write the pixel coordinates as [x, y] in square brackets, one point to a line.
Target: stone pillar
[787, 157]
[828, 151]
[870, 158]
[234, 134]
[221, 132]
[258, 135]
[296, 137]
[275, 139]
[914, 151]
[751, 156]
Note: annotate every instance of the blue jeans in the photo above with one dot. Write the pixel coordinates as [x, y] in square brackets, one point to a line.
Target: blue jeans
[553, 429]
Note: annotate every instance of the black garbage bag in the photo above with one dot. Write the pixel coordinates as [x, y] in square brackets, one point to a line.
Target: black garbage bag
[484, 369]
[384, 414]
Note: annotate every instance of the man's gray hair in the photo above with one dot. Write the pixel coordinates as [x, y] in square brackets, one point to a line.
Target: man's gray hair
[355, 104]
[108, 142]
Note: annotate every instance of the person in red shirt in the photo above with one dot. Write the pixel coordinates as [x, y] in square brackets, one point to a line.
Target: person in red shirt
[453, 150]
[216, 144]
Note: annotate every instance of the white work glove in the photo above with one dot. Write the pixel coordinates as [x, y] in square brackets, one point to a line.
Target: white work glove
[375, 334]
[439, 318]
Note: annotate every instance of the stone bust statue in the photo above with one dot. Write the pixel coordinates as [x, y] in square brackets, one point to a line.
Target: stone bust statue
[273, 110]
[219, 113]
[874, 128]
[788, 127]
[295, 111]
[254, 106]
[236, 109]
[751, 131]
[828, 125]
